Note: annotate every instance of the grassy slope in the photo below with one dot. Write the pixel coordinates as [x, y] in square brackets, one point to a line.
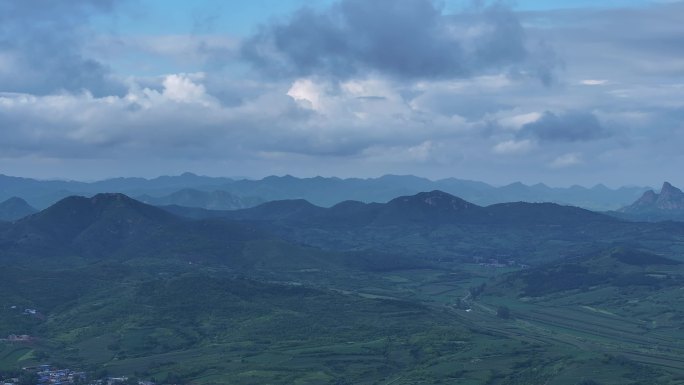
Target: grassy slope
[624, 304]
[395, 327]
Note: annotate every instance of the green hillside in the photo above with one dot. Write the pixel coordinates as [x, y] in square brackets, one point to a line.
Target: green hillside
[425, 289]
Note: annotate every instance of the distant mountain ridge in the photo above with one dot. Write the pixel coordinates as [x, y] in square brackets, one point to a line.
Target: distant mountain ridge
[211, 200]
[43, 193]
[427, 208]
[76, 225]
[319, 190]
[15, 208]
[115, 227]
[425, 226]
[436, 225]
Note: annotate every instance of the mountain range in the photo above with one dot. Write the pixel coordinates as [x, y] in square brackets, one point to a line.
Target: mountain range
[427, 226]
[114, 227]
[319, 190]
[212, 200]
[425, 208]
[292, 292]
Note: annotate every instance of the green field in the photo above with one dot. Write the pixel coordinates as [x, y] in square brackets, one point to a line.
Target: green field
[209, 326]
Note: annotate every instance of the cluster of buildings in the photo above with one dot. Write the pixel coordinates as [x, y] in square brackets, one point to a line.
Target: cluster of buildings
[50, 376]
[118, 381]
[47, 375]
[18, 338]
[27, 311]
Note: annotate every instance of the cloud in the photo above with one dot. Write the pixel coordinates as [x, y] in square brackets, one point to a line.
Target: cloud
[179, 119]
[567, 160]
[573, 126]
[513, 147]
[616, 43]
[41, 47]
[515, 122]
[331, 90]
[410, 39]
[181, 88]
[593, 82]
[306, 92]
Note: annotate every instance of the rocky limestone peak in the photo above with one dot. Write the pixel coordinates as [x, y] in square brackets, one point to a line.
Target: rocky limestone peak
[670, 198]
[669, 190]
[649, 198]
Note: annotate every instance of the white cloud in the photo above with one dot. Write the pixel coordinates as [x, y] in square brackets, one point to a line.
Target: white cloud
[179, 117]
[567, 160]
[307, 93]
[513, 147]
[421, 152]
[593, 82]
[517, 121]
[181, 88]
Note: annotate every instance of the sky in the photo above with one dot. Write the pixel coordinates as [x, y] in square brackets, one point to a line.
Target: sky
[559, 92]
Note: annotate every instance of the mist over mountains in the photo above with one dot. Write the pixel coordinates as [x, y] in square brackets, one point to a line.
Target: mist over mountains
[224, 193]
[211, 200]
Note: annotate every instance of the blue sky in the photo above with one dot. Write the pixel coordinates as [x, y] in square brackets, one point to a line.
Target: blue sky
[560, 92]
[242, 17]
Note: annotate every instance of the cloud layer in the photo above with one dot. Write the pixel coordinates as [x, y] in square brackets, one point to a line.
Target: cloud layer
[356, 88]
[41, 45]
[572, 126]
[411, 39]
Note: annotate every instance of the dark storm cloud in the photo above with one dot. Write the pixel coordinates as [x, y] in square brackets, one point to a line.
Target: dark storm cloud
[41, 47]
[573, 126]
[406, 39]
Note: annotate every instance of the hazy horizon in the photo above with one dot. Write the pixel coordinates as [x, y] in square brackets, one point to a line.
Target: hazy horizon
[239, 177]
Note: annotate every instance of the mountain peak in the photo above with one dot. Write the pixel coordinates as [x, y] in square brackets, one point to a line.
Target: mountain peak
[117, 201]
[110, 197]
[436, 199]
[15, 201]
[77, 212]
[99, 224]
[670, 199]
[434, 206]
[669, 189]
[15, 208]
